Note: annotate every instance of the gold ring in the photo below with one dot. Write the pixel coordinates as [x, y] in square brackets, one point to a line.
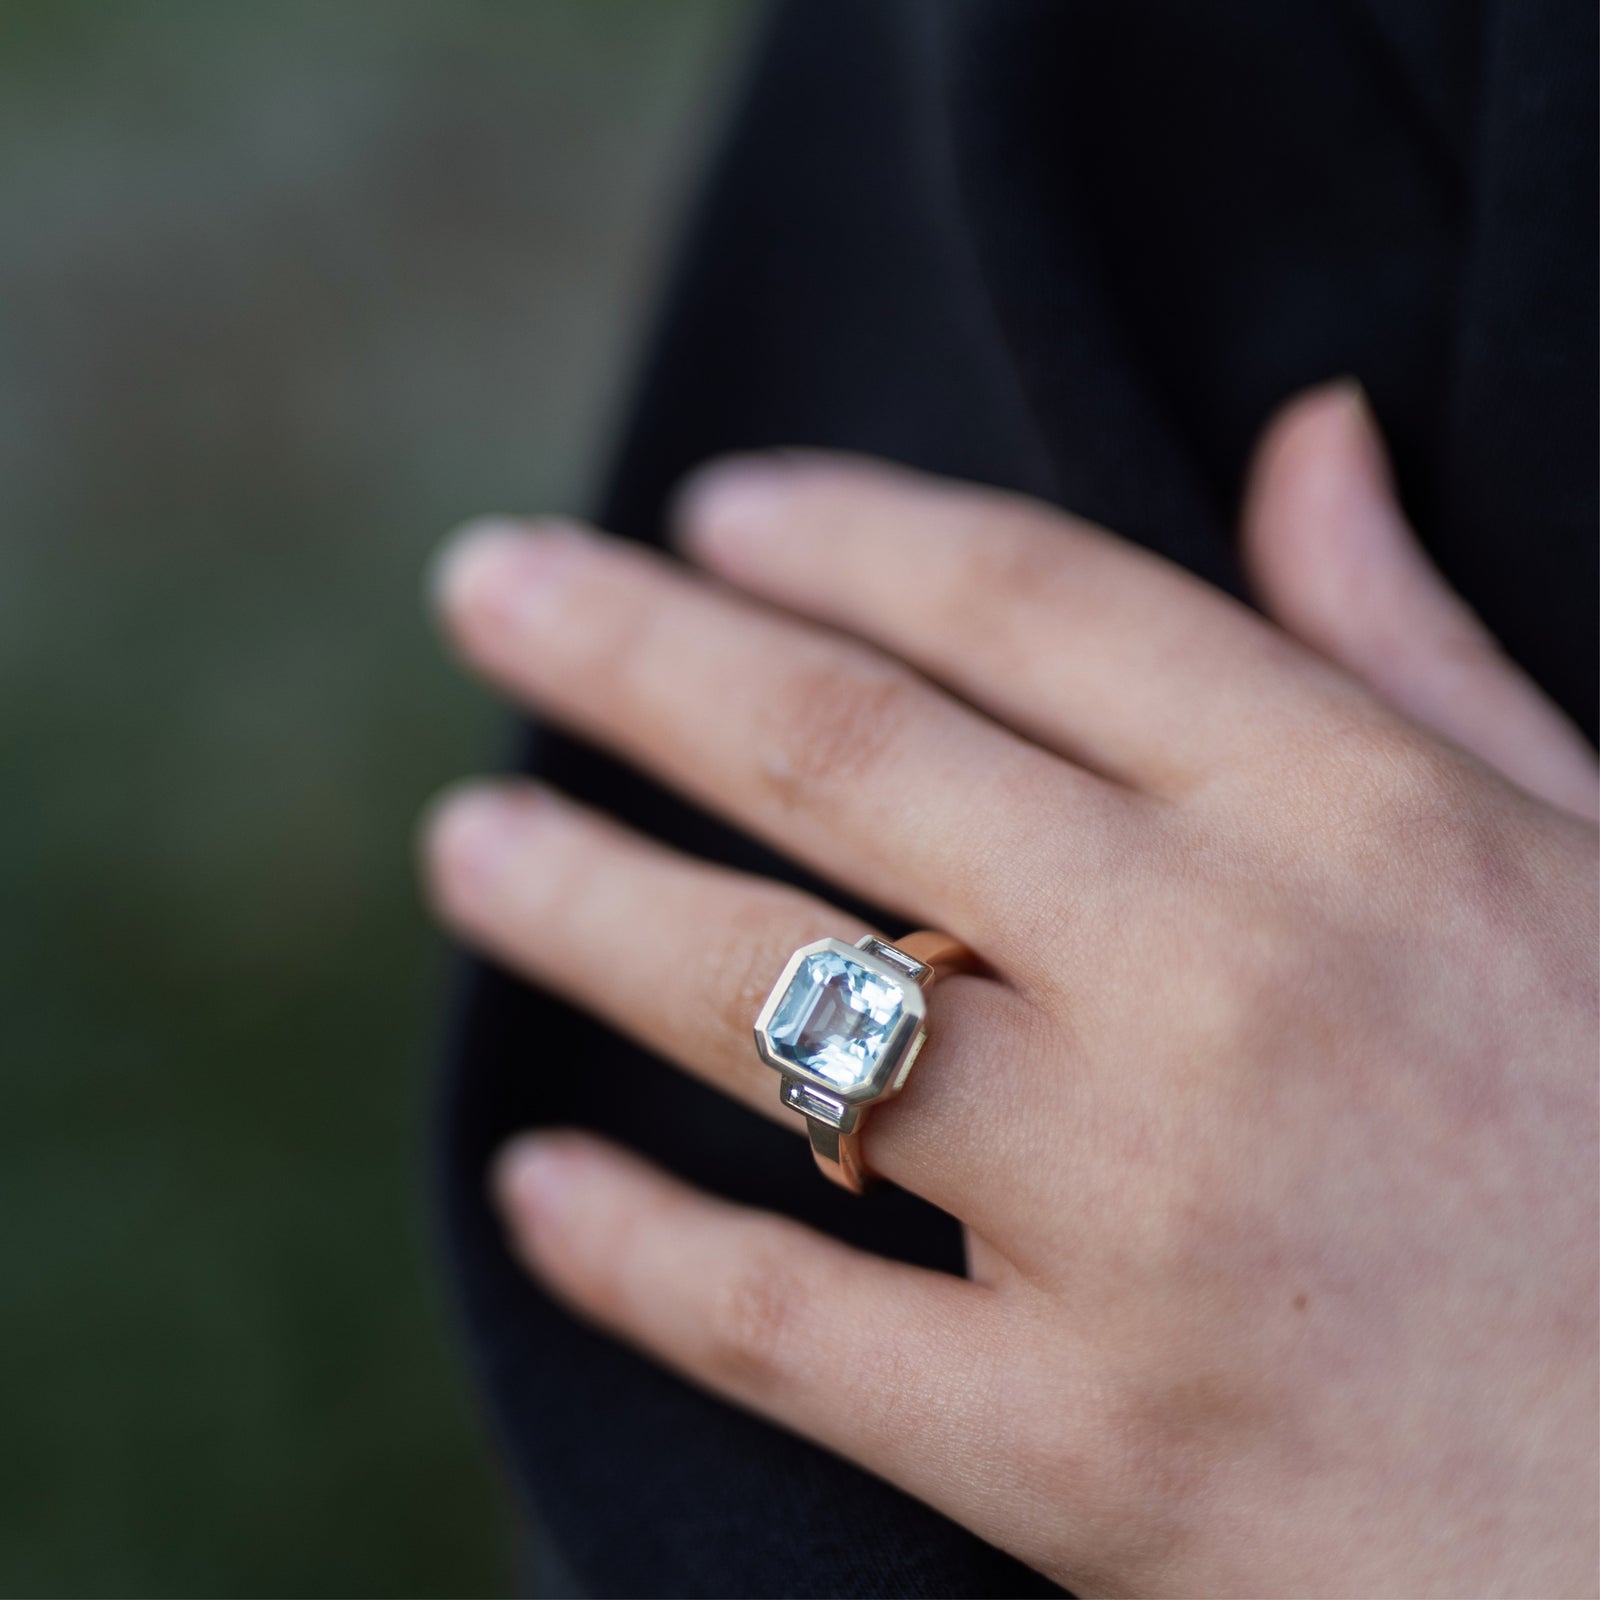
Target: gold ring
[843, 1026]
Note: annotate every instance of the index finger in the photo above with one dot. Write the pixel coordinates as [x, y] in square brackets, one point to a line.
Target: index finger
[1096, 647]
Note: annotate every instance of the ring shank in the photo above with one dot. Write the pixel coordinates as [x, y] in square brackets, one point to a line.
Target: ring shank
[838, 1153]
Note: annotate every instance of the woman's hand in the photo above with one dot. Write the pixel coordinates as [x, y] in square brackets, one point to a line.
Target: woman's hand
[1274, 1125]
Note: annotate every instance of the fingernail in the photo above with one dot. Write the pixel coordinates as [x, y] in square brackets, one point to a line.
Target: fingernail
[530, 1181]
[470, 834]
[730, 500]
[505, 571]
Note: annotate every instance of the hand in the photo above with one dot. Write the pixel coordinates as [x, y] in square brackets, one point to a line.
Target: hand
[1273, 1124]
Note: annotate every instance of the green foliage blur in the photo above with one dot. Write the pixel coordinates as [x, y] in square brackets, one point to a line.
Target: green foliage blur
[286, 290]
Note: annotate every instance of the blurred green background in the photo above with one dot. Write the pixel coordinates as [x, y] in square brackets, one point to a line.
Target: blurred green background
[286, 289]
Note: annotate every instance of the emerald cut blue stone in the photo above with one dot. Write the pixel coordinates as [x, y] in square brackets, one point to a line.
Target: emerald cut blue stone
[837, 1018]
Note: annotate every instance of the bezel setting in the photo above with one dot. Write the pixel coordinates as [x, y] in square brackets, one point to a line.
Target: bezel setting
[815, 1094]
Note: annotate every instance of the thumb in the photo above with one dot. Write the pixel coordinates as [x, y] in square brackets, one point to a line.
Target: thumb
[1333, 560]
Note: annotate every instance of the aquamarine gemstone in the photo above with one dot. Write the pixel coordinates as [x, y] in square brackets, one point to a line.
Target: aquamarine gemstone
[836, 1018]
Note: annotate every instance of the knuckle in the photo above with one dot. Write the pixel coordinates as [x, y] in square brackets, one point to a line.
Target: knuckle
[1005, 549]
[751, 1321]
[1406, 800]
[833, 722]
[553, 882]
[1476, 867]
[1407, 781]
[611, 628]
[1379, 792]
[1007, 555]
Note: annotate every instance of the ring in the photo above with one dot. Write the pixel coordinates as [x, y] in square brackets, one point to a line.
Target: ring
[843, 1026]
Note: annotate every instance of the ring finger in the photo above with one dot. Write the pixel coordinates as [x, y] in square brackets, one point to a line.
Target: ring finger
[679, 955]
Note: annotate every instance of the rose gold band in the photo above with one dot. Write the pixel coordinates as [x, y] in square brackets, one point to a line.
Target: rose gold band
[839, 1154]
[838, 1150]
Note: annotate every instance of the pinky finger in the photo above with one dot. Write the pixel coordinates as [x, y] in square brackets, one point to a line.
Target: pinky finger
[881, 1362]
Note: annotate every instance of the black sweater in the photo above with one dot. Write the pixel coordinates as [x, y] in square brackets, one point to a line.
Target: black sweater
[1080, 248]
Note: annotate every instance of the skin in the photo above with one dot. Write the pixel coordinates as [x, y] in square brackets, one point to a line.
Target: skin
[1273, 1121]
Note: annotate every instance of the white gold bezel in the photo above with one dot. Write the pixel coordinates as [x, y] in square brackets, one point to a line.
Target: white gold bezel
[894, 1064]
